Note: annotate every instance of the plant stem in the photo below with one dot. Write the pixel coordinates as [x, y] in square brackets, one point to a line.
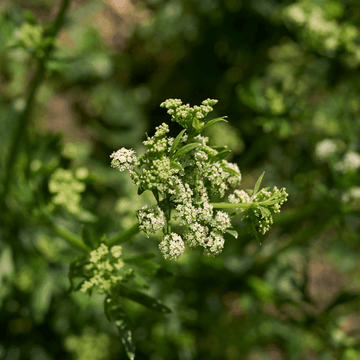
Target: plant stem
[234, 205]
[24, 117]
[72, 238]
[124, 236]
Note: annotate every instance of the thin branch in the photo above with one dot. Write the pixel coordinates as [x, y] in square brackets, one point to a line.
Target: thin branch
[25, 115]
[124, 236]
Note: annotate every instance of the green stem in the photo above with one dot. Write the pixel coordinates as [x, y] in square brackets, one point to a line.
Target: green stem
[72, 238]
[124, 236]
[25, 115]
[234, 205]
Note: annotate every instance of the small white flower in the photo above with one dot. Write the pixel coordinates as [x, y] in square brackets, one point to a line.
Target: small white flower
[151, 219]
[172, 246]
[221, 221]
[123, 159]
[214, 244]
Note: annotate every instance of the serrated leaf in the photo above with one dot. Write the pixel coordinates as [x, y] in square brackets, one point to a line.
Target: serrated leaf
[185, 149]
[213, 121]
[221, 155]
[258, 183]
[176, 143]
[122, 323]
[143, 299]
[232, 232]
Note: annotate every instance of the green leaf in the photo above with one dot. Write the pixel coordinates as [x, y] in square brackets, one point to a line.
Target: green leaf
[175, 165]
[88, 239]
[221, 155]
[122, 323]
[232, 232]
[196, 124]
[140, 190]
[140, 281]
[258, 183]
[255, 233]
[143, 299]
[185, 149]
[250, 191]
[142, 261]
[219, 148]
[213, 121]
[231, 171]
[264, 212]
[176, 143]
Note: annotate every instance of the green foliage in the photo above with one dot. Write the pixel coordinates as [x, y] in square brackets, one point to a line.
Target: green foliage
[286, 73]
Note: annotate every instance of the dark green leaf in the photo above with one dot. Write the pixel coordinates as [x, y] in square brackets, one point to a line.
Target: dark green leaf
[122, 323]
[258, 183]
[221, 155]
[143, 299]
[140, 190]
[255, 233]
[142, 262]
[88, 238]
[213, 121]
[185, 149]
[176, 143]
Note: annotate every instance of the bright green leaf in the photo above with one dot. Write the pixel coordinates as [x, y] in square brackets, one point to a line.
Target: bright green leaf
[213, 121]
[185, 149]
[176, 143]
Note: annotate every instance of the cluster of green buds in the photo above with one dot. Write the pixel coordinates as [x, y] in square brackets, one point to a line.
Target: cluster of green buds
[106, 270]
[183, 173]
[67, 189]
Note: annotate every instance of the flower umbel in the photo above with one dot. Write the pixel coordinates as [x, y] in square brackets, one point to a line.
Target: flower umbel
[106, 270]
[183, 173]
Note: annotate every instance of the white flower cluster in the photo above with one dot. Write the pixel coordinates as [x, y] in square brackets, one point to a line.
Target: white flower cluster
[239, 196]
[123, 159]
[172, 246]
[184, 183]
[151, 219]
[106, 269]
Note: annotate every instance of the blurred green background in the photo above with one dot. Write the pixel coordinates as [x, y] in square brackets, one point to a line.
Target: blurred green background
[286, 73]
